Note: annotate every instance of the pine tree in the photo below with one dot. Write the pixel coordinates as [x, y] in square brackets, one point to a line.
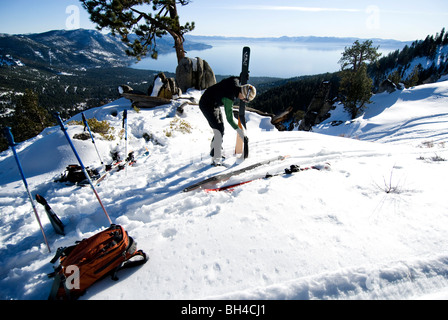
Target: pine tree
[29, 118]
[138, 29]
[357, 55]
[395, 77]
[413, 79]
[356, 86]
[357, 89]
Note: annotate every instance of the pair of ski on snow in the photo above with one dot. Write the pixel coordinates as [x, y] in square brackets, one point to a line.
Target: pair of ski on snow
[117, 165]
[222, 177]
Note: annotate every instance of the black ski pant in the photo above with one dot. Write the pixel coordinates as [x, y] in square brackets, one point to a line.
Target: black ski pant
[213, 116]
[215, 120]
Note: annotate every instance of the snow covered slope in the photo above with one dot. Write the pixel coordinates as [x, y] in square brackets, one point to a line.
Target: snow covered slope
[400, 117]
[374, 227]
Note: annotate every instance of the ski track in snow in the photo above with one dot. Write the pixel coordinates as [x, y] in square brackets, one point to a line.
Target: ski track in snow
[313, 235]
[399, 280]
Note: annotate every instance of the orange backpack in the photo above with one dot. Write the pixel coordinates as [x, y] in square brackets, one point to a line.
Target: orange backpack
[92, 259]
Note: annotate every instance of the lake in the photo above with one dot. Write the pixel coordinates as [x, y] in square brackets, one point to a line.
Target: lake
[282, 59]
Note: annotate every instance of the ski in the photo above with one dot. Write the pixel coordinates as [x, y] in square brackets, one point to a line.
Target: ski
[242, 146]
[110, 168]
[228, 175]
[244, 78]
[288, 171]
[119, 165]
[57, 224]
[115, 167]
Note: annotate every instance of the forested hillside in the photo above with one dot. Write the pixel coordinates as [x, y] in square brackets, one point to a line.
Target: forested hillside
[67, 92]
[296, 92]
[423, 61]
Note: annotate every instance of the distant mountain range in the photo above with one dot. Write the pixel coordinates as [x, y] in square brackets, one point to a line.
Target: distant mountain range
[74, 49]
[82, 48]
[305, 40]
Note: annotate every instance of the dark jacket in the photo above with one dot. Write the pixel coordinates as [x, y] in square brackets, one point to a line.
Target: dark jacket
[228, 88]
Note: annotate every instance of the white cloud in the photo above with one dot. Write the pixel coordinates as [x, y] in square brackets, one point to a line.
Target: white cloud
[293, 8]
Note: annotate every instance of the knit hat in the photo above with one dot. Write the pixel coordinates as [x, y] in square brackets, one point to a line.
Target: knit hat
[249, 92]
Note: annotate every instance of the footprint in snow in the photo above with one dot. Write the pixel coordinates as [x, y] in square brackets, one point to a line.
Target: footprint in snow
[169, 233]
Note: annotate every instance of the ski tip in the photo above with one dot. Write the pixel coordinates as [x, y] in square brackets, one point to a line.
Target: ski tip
[323, 166]
[283, 157]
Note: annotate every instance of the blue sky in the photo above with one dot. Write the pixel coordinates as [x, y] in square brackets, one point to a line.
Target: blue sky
[391, 19]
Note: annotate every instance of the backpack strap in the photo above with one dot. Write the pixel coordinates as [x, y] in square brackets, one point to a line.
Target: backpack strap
[131, 261]
[63, 251]
[59, 281]
[137, 262]
[58, 254]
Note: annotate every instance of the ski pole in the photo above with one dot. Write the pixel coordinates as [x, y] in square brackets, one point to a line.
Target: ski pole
[12, 144]
[125, 127]
[58, 118]
[86, 125]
